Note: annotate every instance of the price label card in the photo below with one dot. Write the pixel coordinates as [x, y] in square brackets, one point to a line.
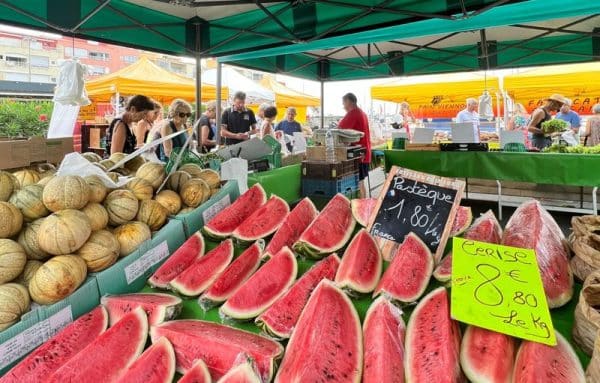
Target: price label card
[500, 288]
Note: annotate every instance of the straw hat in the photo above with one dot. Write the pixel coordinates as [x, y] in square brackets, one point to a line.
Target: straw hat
[558, 98]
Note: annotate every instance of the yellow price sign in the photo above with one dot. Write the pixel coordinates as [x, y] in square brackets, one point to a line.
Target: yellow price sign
[500, 288]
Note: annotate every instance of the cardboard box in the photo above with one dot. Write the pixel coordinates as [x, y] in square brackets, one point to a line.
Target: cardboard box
[18, 153]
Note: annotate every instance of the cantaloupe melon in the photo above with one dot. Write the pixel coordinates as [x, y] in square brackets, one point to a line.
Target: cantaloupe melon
[131, 235]
[176, 180]
[152, 213]
[91, 157]
[11, 220]
[45, 179]
[8, 184]
[66, 192]
[141, 188]
[195, 192]
[153, 173]
[28, 238]
[100, 251]
[29, 201]
[12, 260]
[26, 177]
[64, 232]
[28, 271]
[211, 177]
[97, 215]
[122, 206]
[135, 163]
[57, 278]
[98, 190]
[14, 302]
[170, 200]
[193, 170]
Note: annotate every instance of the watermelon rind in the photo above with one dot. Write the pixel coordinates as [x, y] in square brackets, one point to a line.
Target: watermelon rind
[443, 271]
[150, 366]
[177, 262]
[239, 307]
[362, 209]
[242, 373]
[197, 374]
[487, 356]
[327, 357]
[265, 212]
[59, 349]
[351, 267]
[325, 226]
[158, 312]
[462, 221]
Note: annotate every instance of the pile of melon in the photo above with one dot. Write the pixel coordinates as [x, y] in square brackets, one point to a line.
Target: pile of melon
[56, 229]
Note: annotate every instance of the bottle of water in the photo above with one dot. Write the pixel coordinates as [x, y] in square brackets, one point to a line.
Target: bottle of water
[329, 148]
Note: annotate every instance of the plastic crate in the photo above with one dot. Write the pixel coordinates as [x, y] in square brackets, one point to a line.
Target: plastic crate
[329, 188]
[329, 170]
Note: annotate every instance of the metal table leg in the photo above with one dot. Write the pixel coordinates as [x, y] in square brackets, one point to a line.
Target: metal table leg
[499, 199]
[595, 200]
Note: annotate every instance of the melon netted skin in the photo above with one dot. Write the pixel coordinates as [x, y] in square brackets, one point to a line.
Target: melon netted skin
[57, 279]
[14, 302]
[131, 235]
[153, 173]
[91, 157]
[176, 180]
[28, 271]
[141, 188]
[170, 200]
[28, 238]
[153, 214]
[100, 251]
[97, 215]
[66, 192]
[64, 232]
[193, 170]
[122, 206]
[27, 177]
[11, 220]
[97, 188]
[29, 201]
[12, 260]
[194, 192]
[211, 177]
[8, 184]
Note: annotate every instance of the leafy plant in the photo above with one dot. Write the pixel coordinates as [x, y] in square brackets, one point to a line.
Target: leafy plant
[24, 118]
[554, 125]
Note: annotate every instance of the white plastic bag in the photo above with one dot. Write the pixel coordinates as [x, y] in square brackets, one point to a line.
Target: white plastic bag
[70, 86]
[236, 169]
[74, 164]
[570, 138]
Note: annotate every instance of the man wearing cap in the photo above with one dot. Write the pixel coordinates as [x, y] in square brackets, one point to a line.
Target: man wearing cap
[238, 122]
[541, 115]
[566, 114]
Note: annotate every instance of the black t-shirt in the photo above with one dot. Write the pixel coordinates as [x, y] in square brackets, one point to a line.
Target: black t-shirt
[204, 121]
[237, 122]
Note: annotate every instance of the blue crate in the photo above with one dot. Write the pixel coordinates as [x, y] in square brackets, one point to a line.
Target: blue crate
[329, 188]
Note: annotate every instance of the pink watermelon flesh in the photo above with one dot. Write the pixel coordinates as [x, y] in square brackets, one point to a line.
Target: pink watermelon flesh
[226, 221]
[280, 319]
[263, 288]
[155, 365]
[197, 374]
[532, 227]
[361, 264]
[408, 274]
[181, 259]
[204, 271]
[219, 346]
[487, 356]
[59, 349]
[294, 224]
[233, 277]
[330, 231]
[462, 220]
[537, 362]
[443, 271]
[264, 221]
[326, 345]
[383, 334]
[242, 373]
[433, 342]
[159, 307]
[109, 356]
[362, 208]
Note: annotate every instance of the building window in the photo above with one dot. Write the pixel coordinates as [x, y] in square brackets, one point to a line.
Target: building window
[178, 68]
[17, 61]
[10, 42]
[102, 56]
[36, 45]
[12, 76]
[40, 78]
[163, 64]
[257, 76]
[97, 70]
[129, 59]
[79, 52]
[40, 61]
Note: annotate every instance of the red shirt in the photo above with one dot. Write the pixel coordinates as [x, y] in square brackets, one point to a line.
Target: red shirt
[357, 119]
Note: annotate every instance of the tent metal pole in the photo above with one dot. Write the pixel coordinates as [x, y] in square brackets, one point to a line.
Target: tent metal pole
[218, 116]
[322, 122]
[198, 108]
[117, 104]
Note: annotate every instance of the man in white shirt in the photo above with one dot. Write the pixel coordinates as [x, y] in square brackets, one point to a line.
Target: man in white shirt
[469, 114]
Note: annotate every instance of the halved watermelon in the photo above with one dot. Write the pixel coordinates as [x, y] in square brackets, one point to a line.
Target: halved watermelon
[155, 365]
[295, 223]
[225, 222]
[242, 373]
[263, 288]
[219, 346]
[203, 272]
[487, 356]
[326, 345]
[432, 343]
[362, 208]
[443, 271]
[107, 357]
[159, 307]
[361, 265]
[383, 334]
[279, 319]
[462, 221]
[330, 231]
[263, 222]
[408, 274]
[233, 277]
[181, 259]
[59, 349]
[197, 374]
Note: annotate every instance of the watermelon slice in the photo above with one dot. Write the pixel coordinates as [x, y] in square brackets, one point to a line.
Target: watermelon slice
[99, 362]
[59, 349]
[362, 208]
[242, 373]
[225, 222]
[326, 345]
[233, 277]
[204, 271]
[532, 227]
[432, 343]
[462, 221]
[263, 288]
[263, 222]
[279, 319]
[408, 274]
[330, 231]
[537, 362]
[155, 365]
[197, 374]
[443, 271]
[383, 333]
[487, 356]
[159, 307]
[361, 265]
[295, 223]
[219, 346]
[181, 259]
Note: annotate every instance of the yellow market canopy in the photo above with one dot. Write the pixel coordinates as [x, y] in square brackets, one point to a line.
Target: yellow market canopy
[145, 77]
[286, 97]
[579, 82]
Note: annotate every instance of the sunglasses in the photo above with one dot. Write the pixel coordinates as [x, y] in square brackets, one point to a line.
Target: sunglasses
[185, 115]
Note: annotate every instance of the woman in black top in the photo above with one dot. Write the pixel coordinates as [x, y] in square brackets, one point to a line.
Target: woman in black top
[541, 115]
[206, 129]
[179, 113]
[120, 137]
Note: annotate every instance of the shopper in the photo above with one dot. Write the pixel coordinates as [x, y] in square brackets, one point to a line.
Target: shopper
[470, 115]
[541, 115]
[145, 125]
[518, 121]
[206, 129]
[179, 113]
[356, 119]
[405, 117]
[566, 114]
[238, 122]
[592, 128]
[260, 113]
[289, 126]
[120, 137]
[268, 123]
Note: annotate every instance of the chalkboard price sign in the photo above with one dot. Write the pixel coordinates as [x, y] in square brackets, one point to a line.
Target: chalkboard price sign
[416, 202]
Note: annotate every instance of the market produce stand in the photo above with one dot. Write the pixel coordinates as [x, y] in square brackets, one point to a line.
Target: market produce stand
[283, 182]
[540, 168]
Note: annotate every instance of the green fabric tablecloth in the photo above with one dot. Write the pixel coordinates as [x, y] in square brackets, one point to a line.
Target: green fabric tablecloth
[541, 168]
[284, 182]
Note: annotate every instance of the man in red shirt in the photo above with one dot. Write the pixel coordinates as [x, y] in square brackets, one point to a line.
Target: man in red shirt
[356, 119]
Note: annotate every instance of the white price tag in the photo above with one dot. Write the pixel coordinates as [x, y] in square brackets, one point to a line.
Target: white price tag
[146, 261]
[209, 213]
[22, 344]
[59, 321]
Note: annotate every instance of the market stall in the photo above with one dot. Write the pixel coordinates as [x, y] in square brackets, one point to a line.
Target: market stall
[286, 97]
